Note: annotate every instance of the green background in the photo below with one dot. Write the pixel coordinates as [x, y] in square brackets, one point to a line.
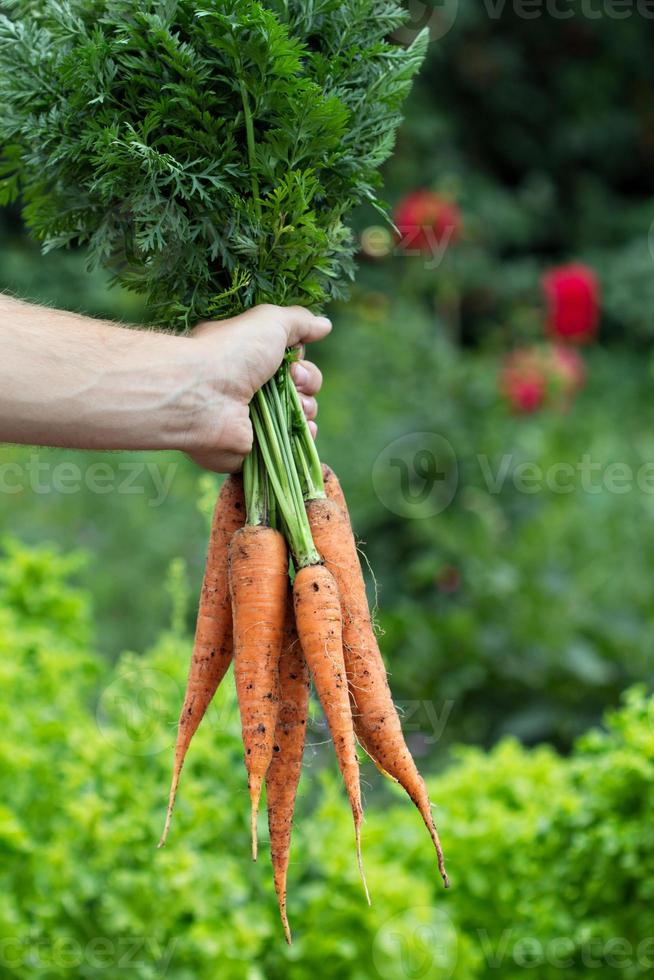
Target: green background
[512, 621]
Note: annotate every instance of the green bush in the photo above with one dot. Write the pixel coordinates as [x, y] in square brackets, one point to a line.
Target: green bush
[549, 616]
[541, 850]
[537, 126]
[508, 612]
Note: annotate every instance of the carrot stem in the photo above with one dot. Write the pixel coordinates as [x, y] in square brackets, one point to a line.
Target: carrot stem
[270, 423]
[251, 145]
[304, 448]
[255, 488]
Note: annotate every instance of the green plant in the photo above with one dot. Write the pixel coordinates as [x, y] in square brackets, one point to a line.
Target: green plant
[551, 863]
[209, 155]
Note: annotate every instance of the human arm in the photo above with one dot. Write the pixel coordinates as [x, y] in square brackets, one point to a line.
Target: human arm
[72, 381]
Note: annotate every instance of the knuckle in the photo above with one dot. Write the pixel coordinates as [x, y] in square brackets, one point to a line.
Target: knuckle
[234, 464]
[243, 440]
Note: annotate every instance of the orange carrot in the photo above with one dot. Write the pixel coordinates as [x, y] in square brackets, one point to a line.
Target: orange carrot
[318, 618]
[284, 772]
[258, 578]
[212, 649]
[375, 717]
[334, 490]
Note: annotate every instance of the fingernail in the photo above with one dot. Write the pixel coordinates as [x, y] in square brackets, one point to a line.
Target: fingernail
[324, 320]
[300, 374]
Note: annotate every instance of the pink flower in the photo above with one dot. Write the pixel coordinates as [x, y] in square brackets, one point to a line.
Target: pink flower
[523, 380]
[532, 377]
[572, 293]
[567, 369]
[426, 220]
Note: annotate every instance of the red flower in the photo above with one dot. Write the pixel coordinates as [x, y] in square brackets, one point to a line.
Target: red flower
[532, 377]
[573, 299]
[523, 380]
[426, 221]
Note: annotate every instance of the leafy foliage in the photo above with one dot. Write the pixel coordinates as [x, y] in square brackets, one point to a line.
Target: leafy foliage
[552, 860]
[539, 128]
[521, 607]
[510, 611]
[208, 154]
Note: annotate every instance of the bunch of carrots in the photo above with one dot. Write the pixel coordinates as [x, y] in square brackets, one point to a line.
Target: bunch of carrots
[289, 620]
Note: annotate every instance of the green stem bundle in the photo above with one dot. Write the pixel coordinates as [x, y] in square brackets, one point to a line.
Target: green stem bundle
[275, 447]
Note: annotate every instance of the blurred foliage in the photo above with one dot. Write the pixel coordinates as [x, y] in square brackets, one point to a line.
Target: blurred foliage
[510, 611]
[277, 120]
[59, 279]
[524, 605]
[541, 127]
[552, 860]
[516, 612]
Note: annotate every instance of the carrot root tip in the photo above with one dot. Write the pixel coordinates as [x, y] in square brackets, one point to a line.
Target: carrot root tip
[164, 835]
[255, 794]
[171, 806]
[360, 863]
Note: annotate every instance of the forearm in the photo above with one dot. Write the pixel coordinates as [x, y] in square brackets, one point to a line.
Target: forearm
[72, 381]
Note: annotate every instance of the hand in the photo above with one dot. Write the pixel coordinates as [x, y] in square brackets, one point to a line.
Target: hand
[232, 359]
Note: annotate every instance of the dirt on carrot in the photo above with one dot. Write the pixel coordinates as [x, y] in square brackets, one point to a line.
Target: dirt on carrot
[258, 578]
[283, 775]
[212, 648]
[376, 721]
[334, 490]
[318, 619]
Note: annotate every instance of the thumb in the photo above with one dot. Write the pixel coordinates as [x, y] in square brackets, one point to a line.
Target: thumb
[302, 326]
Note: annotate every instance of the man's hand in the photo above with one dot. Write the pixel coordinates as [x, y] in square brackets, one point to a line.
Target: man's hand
[234, 359]
[79, 383]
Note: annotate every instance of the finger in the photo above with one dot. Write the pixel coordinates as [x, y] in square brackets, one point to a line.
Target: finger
[231, 463]
[219, 462]
[302, 326]
[313, 429]
[307, 377]
[309, 407]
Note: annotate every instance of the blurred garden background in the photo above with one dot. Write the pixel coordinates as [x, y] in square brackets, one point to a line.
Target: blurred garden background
[503, 332]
